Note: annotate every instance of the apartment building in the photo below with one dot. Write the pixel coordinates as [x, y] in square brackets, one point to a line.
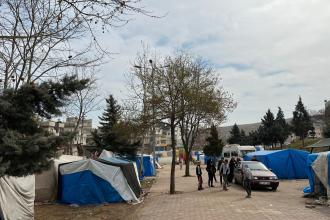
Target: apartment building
[83, 131]
[162, 138]
[53, 127]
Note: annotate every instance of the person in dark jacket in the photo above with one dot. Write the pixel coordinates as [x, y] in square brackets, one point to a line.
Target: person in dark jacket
[214, 170]
[232, 165]
[199, 176]
[219, 169]
[210, 172]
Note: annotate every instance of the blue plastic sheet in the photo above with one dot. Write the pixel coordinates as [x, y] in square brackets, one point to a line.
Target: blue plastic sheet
[148, 166]
[286, 164]
[84, 188]
[307, 190]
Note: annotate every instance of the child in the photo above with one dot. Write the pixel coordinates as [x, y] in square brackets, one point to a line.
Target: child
[199, 176]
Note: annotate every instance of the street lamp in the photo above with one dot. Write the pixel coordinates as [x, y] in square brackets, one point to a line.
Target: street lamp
[152, 139]
[1, 86]
[325, 110]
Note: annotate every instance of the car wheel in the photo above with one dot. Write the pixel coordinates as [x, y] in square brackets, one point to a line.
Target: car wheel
[274, 188]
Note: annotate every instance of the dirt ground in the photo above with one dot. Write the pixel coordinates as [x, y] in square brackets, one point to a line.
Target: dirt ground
[211, 203]
[64, 212]
[118, 211]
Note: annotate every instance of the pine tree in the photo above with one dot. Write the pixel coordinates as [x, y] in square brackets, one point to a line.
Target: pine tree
[268, 129]
[24, 147]
[243, 138]
[282, 129]
[235, 135]
[301, 122]
[113, 133]
[326, 130]
[215, 145]
[254, 138]
[111, 115]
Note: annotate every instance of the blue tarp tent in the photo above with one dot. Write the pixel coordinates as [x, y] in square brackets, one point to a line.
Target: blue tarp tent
[198, 155]
[148, 165]
[318, 165]
[207, 158]
[286, 164]
[93, 182]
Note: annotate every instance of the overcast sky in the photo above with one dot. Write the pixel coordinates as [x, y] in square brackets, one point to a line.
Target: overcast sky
[268, 52]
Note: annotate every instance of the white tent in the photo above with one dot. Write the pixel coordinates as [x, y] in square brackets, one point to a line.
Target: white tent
[320, 167]
[47, 182]
[17, 198]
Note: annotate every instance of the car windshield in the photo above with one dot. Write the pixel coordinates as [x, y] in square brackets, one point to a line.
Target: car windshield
[256, 166]
[244, 152]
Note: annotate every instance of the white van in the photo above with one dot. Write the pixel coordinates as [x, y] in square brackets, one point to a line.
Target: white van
[235, 150]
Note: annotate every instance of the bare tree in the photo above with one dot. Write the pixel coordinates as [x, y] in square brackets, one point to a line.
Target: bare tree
[158, 88]
[37, 37]
[203, 101]
[180, 91]
[82, 103]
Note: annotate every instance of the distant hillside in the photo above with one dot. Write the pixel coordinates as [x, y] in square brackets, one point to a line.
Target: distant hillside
[224, 132]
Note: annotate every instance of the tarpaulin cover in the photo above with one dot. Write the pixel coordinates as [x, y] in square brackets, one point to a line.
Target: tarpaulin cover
[17, 197]
[318, 164]
[47, 181]
[286, 164]
[148, 165]
[93, 182]
[106, 153]
[129, 171]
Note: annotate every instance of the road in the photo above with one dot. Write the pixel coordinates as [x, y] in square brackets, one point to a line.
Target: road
[214, 203]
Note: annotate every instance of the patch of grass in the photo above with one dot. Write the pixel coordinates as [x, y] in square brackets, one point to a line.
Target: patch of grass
[147, 182]
[298, 143]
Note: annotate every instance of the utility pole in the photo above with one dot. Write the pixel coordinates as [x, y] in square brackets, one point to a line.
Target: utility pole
[325, 111]
[152, 138]
[1, 86]
[153, 131]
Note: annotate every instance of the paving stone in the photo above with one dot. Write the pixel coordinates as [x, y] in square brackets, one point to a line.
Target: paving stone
[214, 203]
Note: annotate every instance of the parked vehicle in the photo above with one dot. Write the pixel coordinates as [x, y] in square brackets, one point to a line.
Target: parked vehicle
[235, 150]
[262, 176]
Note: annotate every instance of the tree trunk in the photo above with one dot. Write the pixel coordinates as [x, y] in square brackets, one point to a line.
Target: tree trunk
[173, 145]
[80, 149]
[187, 173]
[303, 141]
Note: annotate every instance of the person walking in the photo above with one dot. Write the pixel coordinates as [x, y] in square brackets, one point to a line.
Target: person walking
[247, 180]
[180, 162]
[219, 169]
[210, 173]
[199, 175]
[225, 172]
[214, 170]
[232, 165]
